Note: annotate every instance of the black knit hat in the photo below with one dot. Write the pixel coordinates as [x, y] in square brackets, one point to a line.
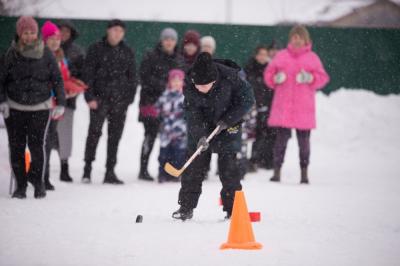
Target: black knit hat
[204, 70]
[116, 22]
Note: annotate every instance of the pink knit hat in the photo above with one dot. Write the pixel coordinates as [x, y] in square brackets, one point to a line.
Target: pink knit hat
[25, 23]
[49, 29]
[175, 73]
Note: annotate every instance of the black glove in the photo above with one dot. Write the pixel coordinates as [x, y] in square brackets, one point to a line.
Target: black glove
[222, 126]
[203, 144]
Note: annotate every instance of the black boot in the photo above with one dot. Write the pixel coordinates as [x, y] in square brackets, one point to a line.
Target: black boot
[183, 214]
[86, 173]
[19, 193]
[304, 176]
[144, 175]
[277, 175]
[64, 175]
[40, 191]
[111, 178]
[252, 166]
[47, 184]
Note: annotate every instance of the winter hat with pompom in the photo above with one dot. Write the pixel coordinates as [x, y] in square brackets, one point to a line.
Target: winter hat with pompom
[49, 29]
[25, 23]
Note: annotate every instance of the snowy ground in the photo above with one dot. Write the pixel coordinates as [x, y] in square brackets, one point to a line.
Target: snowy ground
[349, 215]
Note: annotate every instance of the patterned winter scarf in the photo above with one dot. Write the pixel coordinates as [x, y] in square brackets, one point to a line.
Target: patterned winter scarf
[34, 50]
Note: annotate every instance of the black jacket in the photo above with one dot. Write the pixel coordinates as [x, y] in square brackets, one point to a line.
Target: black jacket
[229, 100]
[255, 75]
[30, 81]
[75, 56]
[110, 73]
[154, 73]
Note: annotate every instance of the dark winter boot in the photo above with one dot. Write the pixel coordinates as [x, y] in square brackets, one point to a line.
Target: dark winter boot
[19, 193]
[304, 176]
[86, 174]
[111, 178]
[144, 175]
[47, 184]
[277, 175]
[252, 167]
[64, 175]
[183, 214]
[40, 191]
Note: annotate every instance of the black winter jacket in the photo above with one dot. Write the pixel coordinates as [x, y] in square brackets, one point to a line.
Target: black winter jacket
[75, 56]
[30, 81]
[229, 100]
[255, 75]
[154, 73]
[110, 73]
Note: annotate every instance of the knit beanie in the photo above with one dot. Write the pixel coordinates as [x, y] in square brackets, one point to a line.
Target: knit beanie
[192, 36]
[168, 33]
[208, 41]
[25, 23]
[49, 29]
[204, 70]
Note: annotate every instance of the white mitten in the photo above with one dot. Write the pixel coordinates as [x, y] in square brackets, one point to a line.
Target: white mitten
[304, 77]
[5, 109]
[58, 112]
[279, 77]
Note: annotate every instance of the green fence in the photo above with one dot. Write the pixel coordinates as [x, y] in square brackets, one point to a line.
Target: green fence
[354, 58]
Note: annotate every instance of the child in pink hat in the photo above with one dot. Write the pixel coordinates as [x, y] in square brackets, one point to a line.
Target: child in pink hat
[173, 137]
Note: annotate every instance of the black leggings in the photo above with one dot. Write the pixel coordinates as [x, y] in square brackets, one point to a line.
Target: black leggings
[28, 128]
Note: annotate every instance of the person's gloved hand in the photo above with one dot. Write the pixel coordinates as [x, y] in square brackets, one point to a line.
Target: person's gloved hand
[279, 77]
[5, 109]
[222, 126]
[58, 112]
[304, 77]
[203, 144]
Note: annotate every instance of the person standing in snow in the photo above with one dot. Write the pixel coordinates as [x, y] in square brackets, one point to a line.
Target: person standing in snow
[173, 136]
[261, 154]
[74, 56]
[215, 95]
[153, 77]
[110, 72]
[59, 137]
[190, 47]
[208, 44]
[295, 74]
[28, 75]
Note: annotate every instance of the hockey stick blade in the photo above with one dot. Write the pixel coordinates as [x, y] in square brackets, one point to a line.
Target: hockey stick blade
[170, 169]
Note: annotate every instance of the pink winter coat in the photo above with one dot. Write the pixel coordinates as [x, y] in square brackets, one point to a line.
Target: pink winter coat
[293, 105]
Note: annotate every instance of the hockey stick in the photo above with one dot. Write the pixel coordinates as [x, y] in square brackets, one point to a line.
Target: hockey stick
[177, 172]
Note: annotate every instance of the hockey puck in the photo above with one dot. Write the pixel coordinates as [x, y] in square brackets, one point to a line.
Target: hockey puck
[139, 219]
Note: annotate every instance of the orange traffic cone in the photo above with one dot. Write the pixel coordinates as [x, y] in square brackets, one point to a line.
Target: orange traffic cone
[27, 160]
[240, 232]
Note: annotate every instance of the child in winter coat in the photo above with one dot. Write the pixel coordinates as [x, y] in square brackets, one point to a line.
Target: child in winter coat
[295, 74]
[173, 137]
[60, 128]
